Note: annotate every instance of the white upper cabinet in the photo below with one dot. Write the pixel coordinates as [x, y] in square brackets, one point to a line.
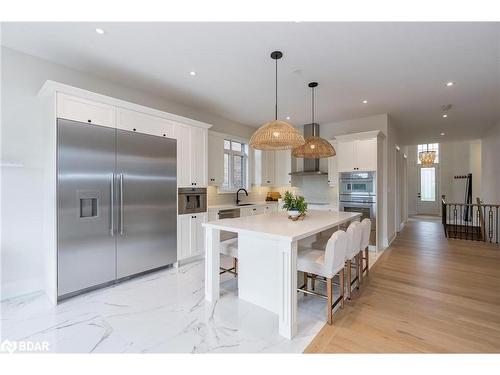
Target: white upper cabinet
[215, 159]
[84, 110]
[127, 119]
[199, 164]
[333, 172]
[192, 147]
[346, 156]
[283, 167]
[357, 155]
[191, 156]
[264, 167]
[366, 152]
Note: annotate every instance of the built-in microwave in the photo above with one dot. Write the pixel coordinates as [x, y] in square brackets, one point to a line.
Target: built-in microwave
[192, 200]
[357, 183]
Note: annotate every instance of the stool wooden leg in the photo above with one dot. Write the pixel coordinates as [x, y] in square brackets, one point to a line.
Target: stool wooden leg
[329, 293]
[313, 282]
[235, 265]
[305, 282]
[349, 278]
[360, 267]
[357, 271]
[367, 261]
[342, 287]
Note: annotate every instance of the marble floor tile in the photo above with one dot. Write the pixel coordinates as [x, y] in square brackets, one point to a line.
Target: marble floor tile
[163, 312]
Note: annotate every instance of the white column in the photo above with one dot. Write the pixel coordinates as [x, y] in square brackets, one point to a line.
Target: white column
[212, 264]
[288, 295]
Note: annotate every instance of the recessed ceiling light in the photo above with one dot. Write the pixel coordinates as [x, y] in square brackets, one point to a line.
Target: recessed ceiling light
[193, 73]
[442, 133]
[99, 31]
[364, 101]
[450, 83]
[445, 115]
[288, 117]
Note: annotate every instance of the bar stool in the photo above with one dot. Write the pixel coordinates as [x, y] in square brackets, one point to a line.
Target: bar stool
[230, 248]
[366, 225]
[354, 234]
[325, 263]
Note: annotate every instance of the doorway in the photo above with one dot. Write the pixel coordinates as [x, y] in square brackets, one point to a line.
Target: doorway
[428, 183]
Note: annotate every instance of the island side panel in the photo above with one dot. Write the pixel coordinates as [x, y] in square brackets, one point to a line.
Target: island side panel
[259, 264]
[212, 264]
[288, 286]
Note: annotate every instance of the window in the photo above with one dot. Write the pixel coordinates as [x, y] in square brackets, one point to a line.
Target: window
[430, 147]
[428, 184]
[235, 165]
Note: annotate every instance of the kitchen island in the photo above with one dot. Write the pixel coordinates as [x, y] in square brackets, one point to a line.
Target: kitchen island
[267, 258]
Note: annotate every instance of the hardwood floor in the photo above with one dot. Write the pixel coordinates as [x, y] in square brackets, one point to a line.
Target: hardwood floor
[425, 294]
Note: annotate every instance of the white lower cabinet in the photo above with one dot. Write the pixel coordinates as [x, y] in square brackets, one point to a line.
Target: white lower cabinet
[190, 235]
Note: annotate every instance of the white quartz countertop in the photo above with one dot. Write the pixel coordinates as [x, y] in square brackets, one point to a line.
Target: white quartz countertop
[277, 225]
[246, 204]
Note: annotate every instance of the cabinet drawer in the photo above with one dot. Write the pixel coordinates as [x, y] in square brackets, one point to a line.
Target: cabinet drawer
[143, 123]
[83, 110]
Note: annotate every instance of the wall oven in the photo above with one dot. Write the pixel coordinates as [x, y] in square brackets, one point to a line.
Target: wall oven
[192, 200]
[358, 194]
[360, 183]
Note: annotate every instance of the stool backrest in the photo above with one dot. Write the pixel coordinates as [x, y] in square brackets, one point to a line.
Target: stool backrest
[355, 232]
[366, 224]
[335, 250]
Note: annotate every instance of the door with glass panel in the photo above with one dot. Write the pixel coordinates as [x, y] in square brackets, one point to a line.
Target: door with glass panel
[428, 183]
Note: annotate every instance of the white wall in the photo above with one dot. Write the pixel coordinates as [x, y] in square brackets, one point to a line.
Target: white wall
[21, 153]
[490, 159]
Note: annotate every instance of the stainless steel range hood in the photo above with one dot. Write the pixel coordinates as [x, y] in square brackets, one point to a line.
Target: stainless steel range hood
[311, 166]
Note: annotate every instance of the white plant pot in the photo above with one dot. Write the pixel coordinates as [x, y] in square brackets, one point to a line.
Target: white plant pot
[293, 213]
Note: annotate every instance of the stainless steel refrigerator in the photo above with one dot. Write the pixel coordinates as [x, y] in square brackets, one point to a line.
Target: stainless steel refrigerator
[116, 205]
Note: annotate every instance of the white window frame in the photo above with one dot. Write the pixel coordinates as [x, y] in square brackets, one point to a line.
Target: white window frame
[244, 154]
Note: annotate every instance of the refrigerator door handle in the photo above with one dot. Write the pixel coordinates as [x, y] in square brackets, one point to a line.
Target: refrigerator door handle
[111, 205]
[121, 203]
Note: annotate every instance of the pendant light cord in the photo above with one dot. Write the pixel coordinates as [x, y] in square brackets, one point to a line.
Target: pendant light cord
[312, 105]
[276, 92]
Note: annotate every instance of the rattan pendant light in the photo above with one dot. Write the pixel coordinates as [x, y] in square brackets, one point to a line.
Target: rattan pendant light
[315, 147]
[276, 135]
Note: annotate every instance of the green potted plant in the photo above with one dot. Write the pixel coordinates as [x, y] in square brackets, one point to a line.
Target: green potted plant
[295, 205]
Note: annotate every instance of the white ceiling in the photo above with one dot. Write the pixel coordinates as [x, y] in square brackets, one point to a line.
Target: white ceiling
[400, 68]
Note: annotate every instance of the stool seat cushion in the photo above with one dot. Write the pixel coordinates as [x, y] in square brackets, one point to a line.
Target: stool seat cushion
[229, 247]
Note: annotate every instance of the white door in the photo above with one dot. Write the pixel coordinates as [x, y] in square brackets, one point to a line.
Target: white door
[427, 190]
[268, 168]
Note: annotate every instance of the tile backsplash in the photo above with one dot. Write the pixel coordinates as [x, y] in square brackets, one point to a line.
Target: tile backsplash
[315, 189]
